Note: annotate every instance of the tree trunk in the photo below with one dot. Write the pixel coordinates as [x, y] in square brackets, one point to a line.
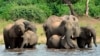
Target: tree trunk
[87, 8]
[70, 6]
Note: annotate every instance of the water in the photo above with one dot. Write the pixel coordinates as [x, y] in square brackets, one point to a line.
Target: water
[41, 50]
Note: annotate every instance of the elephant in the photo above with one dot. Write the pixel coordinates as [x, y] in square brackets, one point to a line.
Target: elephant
[85, 37]
[66, 25]
[54, 42]
[29, 39]
[13, 32]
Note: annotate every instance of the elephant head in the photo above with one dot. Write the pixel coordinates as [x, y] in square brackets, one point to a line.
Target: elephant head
[72, 28]
[29, 39]
[85, 37]
[30, 26]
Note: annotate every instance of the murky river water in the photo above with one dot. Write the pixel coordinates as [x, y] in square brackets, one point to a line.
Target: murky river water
[41, 50]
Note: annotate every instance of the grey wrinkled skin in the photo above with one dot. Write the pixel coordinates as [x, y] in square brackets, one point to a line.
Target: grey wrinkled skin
[29, 39]
[85, 38]
[66, 25]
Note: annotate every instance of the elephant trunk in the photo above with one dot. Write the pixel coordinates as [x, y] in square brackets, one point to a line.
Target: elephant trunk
[94, 39]
[68, 38]
[93, 35]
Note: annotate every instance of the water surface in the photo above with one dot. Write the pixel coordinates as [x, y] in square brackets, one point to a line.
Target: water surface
[41, 50]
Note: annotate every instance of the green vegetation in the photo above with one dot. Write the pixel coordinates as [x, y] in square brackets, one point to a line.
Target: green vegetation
[39, 10]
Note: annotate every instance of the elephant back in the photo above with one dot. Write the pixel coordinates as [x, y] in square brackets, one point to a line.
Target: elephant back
[53, 22]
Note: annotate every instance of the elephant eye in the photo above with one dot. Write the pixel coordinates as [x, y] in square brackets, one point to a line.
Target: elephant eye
[67, 18]
[74, 19]
[19, 30]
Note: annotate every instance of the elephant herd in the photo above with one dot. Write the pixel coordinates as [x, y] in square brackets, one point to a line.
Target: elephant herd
[20, 34]
[60, 33]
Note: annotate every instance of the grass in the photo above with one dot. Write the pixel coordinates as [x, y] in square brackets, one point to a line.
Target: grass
[83, 21]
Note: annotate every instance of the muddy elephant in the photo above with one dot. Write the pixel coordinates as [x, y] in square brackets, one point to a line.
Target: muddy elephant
[85, 38]
[66, 25]
[29, 39]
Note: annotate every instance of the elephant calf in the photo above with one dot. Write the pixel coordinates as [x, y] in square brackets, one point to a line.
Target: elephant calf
[54, 41]
[29, 39]
[86, 35]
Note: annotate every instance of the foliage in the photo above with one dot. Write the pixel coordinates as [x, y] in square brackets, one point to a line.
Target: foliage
[28, 12]
[39, 10]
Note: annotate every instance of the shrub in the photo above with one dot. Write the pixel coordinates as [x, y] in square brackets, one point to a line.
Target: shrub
[28, 12]
[63, 9]
[80, 8]
[95, 11]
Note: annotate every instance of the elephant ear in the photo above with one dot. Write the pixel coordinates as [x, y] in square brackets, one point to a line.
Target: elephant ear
[29, 26]
[17, 30]
[26, 25]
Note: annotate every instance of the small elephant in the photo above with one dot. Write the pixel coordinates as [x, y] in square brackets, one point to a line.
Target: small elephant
[85, 37]
[54, 41]
[29, 39]
[66, 25]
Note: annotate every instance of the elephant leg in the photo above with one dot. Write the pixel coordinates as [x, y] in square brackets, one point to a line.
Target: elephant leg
[6, 43]
[48, 35]
[12, 43]
[80, 42]
[20, 40]
[89, 44]
[6, 40]
[49, 44]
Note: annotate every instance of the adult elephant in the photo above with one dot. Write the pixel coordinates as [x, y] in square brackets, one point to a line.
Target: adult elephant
[27, 26]
[85, 38]
[11, 33]
[66, 25]
[29, 39]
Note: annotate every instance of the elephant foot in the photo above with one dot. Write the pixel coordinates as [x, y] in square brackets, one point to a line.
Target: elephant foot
[89, 46]
[6, 46]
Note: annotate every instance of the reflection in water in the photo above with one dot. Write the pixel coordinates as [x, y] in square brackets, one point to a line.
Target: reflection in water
[41, 50]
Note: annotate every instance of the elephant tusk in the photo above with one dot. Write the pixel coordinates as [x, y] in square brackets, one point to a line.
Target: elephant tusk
[63, 37]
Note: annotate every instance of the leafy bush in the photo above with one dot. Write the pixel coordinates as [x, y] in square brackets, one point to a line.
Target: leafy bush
[28, 12]
[39, 10]
[79, 8]
[63, 9]
[95, 11]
